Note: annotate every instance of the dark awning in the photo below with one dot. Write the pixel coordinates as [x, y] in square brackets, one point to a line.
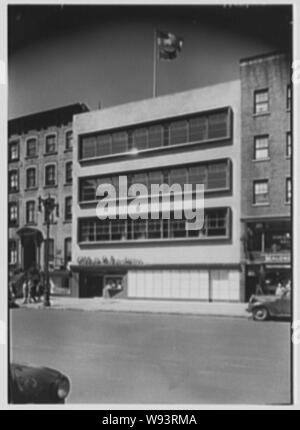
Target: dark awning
[31, 232]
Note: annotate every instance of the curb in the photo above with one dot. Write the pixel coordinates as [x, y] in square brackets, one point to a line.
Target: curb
[155, 312]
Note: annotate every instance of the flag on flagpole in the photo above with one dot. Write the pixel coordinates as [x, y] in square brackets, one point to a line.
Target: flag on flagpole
[169, 45]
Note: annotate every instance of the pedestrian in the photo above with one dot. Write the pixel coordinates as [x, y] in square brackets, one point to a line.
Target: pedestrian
[25, 288]
[41, 286]
[106, 290]
[279, 289]
[32, 290]
[288, 285]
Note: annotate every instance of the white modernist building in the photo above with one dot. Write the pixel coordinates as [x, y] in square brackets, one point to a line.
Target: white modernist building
[190, 137]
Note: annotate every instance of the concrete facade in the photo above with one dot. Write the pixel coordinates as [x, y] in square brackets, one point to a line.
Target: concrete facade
[180, 253]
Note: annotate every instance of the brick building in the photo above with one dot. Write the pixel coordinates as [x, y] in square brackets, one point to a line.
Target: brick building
[266, 170]
[40, 163]
[190, 137]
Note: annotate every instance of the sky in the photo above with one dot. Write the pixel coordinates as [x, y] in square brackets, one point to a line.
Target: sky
[103, 55]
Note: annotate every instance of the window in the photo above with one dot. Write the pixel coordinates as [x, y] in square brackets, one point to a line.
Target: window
[68, 250]
[155, 228]
[288, 144]
[217, 125]
[69, 172]
[69, 140]
[88, 189]
[198, 129]
[261, 192]
[178, 132]
[13, 181]
[178, 176]
[140, 138]
[119, 142]
[31, 177]
[13, 213]
[50, 144]
[261, 147]
[50, 175]
[261, 101]
[31, 149]
[273, 236]
[288, 190]
[13, 151]
[190, 129]
[102, 230]
[289, 97]
[214, 175]
[118, 230]
[155, 136]
[12, 252]
[50, 244]
[177, 228]
[30, 212]
[216, 225]
[68, 209]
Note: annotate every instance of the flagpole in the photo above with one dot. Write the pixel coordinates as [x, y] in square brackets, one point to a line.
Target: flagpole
[154, 62]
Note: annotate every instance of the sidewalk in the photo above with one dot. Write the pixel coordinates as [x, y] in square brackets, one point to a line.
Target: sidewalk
[218, 309]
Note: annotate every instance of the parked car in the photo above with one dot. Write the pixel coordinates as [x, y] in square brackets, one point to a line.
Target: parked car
[33, 384]
[263, 307]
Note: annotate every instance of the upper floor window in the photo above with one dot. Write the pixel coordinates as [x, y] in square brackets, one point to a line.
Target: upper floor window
[216, 225]
[13, 213]
[69, 172]
[178, 132]
[31, 177]
[50, 143]
[13, 154]
[30, 212]
[13, 181]
[261, 101]
[261, 191]
[288, 190]
[31, 149]
[215, 176]
[289, 97]
[261, 147]
[12, 252]
[50, 175]
[190, 129]
[288, 144]
[69, 140]
[68, 209]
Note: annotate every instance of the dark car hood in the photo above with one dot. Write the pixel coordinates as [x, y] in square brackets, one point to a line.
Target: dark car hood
[32, 384]
[33, 370]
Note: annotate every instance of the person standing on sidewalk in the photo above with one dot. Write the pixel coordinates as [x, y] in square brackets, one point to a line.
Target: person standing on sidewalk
[26, 288]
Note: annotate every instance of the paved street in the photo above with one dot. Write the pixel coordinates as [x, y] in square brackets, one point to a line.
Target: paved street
[176, 359]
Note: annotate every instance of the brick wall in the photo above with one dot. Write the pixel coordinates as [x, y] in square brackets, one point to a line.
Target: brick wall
[272, 72]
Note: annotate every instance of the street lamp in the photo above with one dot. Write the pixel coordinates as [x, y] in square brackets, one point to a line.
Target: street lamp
[48, 203]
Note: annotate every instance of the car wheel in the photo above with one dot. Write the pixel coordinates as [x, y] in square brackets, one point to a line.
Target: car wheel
[260, 314]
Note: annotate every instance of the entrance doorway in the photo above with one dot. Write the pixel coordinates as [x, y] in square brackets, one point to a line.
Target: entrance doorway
[31, 240]
[29, 253]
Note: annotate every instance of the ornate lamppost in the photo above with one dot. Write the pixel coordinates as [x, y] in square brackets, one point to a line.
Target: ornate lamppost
[48, 203]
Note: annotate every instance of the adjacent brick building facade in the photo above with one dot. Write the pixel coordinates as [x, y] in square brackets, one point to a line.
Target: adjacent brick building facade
[40, 163]
[266, 169]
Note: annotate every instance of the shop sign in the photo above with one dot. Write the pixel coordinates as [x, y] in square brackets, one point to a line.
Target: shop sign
[277, 258]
